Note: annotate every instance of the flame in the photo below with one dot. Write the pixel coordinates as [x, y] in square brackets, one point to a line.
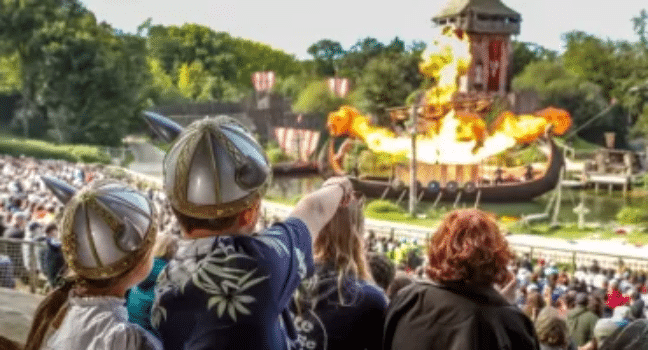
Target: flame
[448, 58]
[462, 138]
[455, 137]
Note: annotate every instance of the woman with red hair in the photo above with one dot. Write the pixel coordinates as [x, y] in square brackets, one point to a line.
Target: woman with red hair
[459, 308]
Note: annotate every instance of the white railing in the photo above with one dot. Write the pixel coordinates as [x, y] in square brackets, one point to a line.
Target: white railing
[19, 265]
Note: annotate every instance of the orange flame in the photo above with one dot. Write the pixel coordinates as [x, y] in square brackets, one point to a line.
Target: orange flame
[447, 60]
[457, 137]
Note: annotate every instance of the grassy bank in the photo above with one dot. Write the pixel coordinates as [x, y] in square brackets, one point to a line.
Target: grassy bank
[15, 146]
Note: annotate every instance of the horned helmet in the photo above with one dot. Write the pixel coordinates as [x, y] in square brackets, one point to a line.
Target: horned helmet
[107, 227]
[215, 167]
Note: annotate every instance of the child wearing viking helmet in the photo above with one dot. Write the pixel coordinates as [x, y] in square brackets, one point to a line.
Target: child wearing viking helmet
[108, 231]
[229, 287]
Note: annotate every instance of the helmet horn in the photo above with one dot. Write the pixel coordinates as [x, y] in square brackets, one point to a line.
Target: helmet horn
[163, 127]
[62, 190]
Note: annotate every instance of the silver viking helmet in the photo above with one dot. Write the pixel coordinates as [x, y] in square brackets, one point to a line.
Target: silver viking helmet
[107, 228]
[215, 168]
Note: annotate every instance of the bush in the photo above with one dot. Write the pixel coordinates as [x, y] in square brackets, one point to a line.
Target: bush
[276, 155]
[632, 215]
[17, 147]
[381, 206]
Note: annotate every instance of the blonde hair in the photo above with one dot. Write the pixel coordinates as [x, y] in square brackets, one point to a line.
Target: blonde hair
[341, 244]
[165, 246]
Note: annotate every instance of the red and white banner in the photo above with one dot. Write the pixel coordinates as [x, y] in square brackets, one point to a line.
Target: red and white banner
[339, 86]
[494, 64]
[299, 143]
[263, 81]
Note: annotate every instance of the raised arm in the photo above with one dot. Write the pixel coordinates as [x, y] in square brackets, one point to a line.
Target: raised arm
[318, 208]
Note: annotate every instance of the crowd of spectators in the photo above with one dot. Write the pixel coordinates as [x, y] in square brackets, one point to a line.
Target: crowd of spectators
[589, 308]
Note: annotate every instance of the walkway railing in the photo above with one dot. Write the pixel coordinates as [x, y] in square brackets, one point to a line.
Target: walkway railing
[575, 257]
[20, 266]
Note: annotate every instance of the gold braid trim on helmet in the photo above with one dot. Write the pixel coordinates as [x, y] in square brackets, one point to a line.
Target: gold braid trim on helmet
[87, 197]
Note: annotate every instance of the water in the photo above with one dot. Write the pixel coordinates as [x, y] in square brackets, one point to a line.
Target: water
[602, 207]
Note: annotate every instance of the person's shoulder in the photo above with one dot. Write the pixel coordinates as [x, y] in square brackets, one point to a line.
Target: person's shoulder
[293, 223]
[128, 335]
[373, 295]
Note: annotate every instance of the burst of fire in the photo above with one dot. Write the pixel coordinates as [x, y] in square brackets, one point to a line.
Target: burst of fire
[457, 137]
[447, 60]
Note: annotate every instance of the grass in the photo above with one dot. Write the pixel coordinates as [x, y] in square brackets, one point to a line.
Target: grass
[402, 218]
[18, 146]
[568, 231]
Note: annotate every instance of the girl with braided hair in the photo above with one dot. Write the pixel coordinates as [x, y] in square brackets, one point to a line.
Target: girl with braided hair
[108, 231]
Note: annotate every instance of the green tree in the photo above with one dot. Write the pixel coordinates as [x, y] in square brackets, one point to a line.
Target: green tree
[525, 53]
[80, 82]
[326, 52]
[253, 56]
[387, 81]
[317, 98]
[175, 46]
[10, 74]
[640, 26]
[560, 87]
[357, 57]
[591, 58]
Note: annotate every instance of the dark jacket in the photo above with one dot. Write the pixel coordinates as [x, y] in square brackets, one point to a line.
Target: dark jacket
[455, 316]
[581, 322]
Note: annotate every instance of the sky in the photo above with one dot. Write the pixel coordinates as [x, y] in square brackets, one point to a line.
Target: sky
[293, 25]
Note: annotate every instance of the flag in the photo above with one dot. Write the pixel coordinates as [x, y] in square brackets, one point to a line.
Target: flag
[263, 81]
[299, 143]
[339, 86]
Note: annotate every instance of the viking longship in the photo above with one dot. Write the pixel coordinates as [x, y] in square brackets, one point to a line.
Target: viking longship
[449, 182]
[301, 144]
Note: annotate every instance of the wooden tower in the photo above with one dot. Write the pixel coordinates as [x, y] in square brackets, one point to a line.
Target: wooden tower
[490, 24]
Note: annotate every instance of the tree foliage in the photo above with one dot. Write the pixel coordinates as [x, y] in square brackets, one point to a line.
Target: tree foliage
[317, 98]
[80, 81]
[387, 81]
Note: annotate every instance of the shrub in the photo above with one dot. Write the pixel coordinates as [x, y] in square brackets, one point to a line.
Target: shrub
[383, 206]
[44, 150]
[632, 215]
[276, 155]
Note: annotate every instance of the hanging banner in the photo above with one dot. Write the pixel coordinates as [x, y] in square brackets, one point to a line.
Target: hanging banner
[494, 64]
[299, 143]
[339, 86]
[263, 81]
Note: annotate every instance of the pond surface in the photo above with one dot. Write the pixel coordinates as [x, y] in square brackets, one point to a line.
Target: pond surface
[603, 207]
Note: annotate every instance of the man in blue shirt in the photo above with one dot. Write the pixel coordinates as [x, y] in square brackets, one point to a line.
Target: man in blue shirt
[229, 288]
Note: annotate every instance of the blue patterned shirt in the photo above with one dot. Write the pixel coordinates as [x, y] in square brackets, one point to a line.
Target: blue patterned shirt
[232, 292]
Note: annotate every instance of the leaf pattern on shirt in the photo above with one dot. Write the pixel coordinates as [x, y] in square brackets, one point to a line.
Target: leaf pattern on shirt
[301, 259]
[271, 239]
[218, 276]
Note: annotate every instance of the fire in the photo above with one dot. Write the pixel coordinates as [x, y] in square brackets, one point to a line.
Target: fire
[461, 138]
[456, 137]
[447, 60]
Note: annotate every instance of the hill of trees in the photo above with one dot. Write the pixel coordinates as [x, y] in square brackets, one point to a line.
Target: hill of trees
[81, 81]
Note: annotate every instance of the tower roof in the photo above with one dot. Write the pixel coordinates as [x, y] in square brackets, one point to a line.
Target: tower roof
[480, 16]
[486, 7]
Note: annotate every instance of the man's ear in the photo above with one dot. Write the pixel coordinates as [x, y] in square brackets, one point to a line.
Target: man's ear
[247, 216]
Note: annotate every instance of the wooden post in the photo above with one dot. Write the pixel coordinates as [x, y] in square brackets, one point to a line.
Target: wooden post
[554, 219]
[413, 173]
[33, 274]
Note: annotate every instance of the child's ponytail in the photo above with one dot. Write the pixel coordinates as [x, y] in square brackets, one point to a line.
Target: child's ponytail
[49, 315]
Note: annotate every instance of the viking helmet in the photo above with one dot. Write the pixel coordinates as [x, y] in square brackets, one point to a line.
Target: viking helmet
[107, 228]
[215, 168]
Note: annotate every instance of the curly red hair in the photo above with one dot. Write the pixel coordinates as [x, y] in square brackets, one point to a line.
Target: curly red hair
[469, 247]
